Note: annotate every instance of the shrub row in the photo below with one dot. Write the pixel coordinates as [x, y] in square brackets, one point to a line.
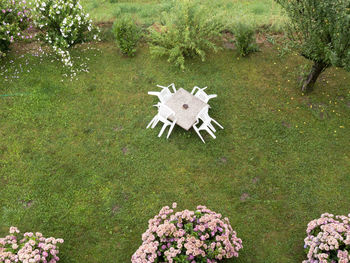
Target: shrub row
[201, 236]
[187, 30]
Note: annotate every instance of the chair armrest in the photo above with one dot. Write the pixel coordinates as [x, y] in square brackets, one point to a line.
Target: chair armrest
[212, 96]
[173, 86]
[194, 89]
[155, 93]
[159, 86]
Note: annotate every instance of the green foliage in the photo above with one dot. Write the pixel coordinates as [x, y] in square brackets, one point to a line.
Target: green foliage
[14, 17]
[4, 46]
[320, 30]
[64, 22]
[189, 29]
[245, 39]
[127, 35]
[258, 13]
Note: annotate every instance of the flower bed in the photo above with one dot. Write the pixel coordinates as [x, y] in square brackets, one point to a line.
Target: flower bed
[28, 247]
[328, 239]
[188, 236]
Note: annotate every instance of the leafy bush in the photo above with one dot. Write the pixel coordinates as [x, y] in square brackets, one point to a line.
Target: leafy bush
[187, 236]
[127, 35]
[28, 247]
[328, 239]
[189, 29]
[64, 24]
[245, 39]
[14, 19]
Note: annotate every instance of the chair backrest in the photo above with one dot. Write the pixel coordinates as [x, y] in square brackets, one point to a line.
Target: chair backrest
[203, 115]
[165, 111]
[172, 85]
[202, 95]
[165, 95]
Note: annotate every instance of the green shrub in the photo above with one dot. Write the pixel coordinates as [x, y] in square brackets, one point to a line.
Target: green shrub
[189, 29]
[14, 19]
[127, 35]
[245, 39]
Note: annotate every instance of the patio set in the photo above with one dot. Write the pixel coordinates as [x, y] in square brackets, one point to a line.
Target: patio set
[184, 109]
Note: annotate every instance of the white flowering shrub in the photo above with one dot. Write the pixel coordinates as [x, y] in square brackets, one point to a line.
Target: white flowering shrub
[29, 247]
[14, 19]
[63, 24]
[328, 239]
[201, 236]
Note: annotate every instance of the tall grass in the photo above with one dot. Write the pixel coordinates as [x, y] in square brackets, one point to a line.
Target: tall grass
[255, 13]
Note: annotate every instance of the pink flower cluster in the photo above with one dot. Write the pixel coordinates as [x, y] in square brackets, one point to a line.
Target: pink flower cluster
[14, 19]
[328, 239]
[187, 236]
[29, 248]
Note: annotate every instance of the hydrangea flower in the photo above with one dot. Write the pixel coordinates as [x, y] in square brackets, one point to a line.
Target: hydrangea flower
[29, 247]
[328, 239]
[188, 236]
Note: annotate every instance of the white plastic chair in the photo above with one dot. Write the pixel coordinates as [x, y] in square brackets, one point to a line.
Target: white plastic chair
[164, 113]
[165, 94]
[202, 95]
[206, 125]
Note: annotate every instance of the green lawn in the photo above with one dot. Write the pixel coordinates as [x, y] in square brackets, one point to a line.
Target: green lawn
[76, 161]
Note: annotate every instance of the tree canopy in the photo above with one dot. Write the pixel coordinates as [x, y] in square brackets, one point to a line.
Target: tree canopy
[321, 33]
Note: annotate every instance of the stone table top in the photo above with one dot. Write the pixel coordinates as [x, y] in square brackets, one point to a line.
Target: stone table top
[185, 118]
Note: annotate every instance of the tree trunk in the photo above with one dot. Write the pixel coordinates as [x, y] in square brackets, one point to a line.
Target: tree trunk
[309, 82]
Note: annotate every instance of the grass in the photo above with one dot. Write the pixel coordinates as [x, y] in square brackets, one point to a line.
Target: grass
[76, 161]
[257, 13]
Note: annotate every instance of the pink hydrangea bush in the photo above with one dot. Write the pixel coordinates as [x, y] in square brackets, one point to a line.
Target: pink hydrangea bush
[202, 236]
[328, 239]
[29, 247]
[14, 19]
